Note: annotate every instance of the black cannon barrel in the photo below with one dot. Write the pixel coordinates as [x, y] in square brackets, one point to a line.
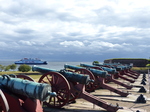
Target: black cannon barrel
[100, 73]
[118, 65]
[28, 88]
[72, 67]
[74, 77]
[117, 68]
[42, 69]
[109, 70]
[98, 64]
[96, 72]
[70, 76]
[109, 64]
[86, 65]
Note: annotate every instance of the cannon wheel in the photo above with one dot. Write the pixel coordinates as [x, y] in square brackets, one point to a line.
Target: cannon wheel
[60, 85]
[91, 86]
[25, 77]
[4, 107]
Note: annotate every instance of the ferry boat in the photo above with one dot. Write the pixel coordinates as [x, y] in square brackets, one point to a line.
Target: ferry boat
[31, 61]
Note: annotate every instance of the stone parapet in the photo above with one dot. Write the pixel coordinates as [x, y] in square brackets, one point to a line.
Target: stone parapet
[134, 61]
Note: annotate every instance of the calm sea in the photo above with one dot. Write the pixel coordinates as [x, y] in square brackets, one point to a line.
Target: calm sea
[51, 65]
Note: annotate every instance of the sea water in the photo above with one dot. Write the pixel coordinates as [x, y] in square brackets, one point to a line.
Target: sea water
[51, 65]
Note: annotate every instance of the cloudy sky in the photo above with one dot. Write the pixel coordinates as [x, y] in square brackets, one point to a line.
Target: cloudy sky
[74, 30]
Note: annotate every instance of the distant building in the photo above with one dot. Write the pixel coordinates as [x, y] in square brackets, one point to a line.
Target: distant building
[137, 62]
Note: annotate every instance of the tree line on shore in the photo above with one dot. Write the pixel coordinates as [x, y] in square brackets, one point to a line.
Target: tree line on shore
[22, 68]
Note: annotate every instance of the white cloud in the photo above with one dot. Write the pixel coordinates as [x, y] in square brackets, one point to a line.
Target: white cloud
[102, 44]
[72, 43]
[144, 46]
[3, 44]
[126, 44]
[27, 42]
[71, 26]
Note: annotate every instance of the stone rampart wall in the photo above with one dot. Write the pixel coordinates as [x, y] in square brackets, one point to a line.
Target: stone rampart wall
[136, 62]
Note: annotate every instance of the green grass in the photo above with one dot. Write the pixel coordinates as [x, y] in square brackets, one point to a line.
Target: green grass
[35, 77]
[128, 58]
[10, 72]
[15, 72]
[139, 68]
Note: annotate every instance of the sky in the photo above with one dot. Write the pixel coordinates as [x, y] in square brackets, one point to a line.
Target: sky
[74, 30]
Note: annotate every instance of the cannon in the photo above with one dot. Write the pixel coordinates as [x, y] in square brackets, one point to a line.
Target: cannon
[111, 71]
[22, 95]
[99, 81]
[82, 79]
[69, 89]
[126, 69]
[119, 71]
[99, 73]
[130, 72]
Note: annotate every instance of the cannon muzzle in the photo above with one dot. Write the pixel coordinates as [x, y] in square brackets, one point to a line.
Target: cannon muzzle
[28, 88]
[70, 76]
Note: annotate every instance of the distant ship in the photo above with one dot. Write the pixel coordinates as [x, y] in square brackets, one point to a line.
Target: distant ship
[31, 61]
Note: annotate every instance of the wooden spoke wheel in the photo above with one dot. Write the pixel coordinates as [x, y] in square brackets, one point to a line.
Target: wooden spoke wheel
[25, 77]
[4, 107]
[91, 86]
[60, 85]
